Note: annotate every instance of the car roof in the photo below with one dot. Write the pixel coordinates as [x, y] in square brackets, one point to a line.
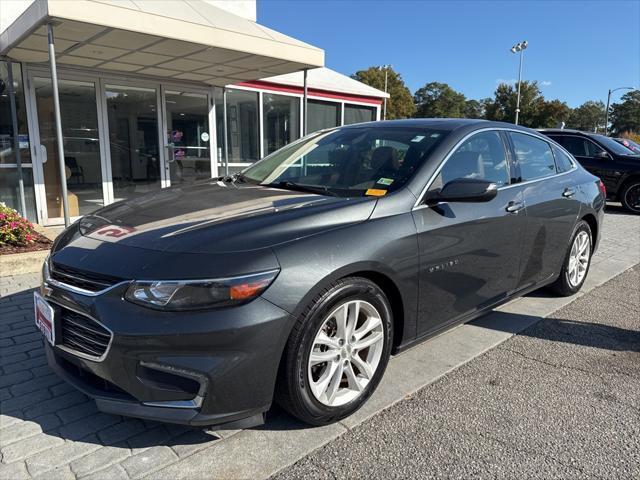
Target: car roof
[565, 130]
[438, 123]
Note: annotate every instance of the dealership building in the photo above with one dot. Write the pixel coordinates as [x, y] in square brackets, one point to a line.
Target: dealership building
[146, 91]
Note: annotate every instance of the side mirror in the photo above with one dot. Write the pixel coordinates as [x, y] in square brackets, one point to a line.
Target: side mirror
[603, 154]
[465, 190]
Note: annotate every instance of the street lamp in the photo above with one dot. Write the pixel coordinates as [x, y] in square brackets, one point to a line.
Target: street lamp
[519, 47]
[386, 74]
[606, 118]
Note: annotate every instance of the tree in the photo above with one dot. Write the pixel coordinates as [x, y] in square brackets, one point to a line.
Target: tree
[625, 116]
[552, 114]
[476, 108]
[588, 116]
[439, 100]
[503, 106]
[400, 103]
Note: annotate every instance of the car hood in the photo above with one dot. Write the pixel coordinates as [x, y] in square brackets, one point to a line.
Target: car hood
[216, 217]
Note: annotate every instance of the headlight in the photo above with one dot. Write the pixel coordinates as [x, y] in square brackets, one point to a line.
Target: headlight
[199, 294]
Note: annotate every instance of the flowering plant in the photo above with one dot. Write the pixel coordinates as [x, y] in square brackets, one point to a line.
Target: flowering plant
[14, 229]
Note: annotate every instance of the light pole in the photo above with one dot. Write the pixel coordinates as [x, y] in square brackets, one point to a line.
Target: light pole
[606, 118]
[519, 47]
[386, 78]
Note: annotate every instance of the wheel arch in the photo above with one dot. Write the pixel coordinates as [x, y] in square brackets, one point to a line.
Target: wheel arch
[593, 225]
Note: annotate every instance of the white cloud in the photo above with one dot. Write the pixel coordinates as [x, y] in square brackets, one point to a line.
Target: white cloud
[508, 81]
[546, 83]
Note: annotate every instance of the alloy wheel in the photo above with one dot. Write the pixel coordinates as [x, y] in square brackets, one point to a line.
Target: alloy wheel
[579, 258]
[345, 353]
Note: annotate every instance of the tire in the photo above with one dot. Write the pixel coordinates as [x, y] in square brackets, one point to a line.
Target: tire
[630, 196]
[568, 283]
[300, 389]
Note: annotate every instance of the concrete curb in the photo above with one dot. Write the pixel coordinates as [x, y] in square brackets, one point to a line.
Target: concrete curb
[283, 441]
[21, 263]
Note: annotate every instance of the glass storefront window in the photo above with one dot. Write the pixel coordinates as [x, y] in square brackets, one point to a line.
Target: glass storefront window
[81, 146]
[7, 155]
[242, 129]
[10, 195]
[188, 136]
[281, 116]
[133, 140]
[358, 114]
[322, 115]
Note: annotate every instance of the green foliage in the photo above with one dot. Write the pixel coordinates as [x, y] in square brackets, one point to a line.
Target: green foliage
[503, 106]
[551, 114]
[587, 117]
[625, 116]
[476, 108]
[14, 229]
[439, 100]
[400, 103]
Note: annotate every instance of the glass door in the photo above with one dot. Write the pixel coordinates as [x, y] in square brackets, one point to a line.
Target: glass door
[134, 151]
[81, 137]
[187, 136]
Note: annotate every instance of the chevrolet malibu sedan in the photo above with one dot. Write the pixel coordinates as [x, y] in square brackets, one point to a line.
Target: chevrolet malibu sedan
[296, 279]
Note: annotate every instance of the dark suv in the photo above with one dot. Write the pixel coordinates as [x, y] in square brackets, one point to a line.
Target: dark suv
[617, 166]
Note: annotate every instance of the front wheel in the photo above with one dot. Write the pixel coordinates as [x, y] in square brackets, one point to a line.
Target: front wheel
[576, 263]
[337, 352]
[630, 196]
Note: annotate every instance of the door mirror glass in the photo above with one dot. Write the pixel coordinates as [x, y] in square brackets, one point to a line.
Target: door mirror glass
[464, 190]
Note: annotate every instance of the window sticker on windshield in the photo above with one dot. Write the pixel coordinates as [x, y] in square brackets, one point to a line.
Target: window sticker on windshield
[417, 138]
[385, 181]
[375, 192]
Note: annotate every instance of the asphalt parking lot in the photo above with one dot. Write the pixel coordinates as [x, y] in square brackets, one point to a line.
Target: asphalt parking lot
[502, 412]
[558, 400]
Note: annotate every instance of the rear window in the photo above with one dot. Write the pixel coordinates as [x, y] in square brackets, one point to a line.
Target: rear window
[534, 156]
[563, 161]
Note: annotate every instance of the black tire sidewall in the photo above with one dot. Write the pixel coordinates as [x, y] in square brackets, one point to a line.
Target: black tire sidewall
[346, 290]
[582, 226]
[623, 198]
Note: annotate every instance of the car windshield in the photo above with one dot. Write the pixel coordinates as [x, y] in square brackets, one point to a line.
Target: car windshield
[630, 144]
[614, 146]
[348, 162]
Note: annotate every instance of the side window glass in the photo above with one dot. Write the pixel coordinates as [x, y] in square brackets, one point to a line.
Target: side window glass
[482, 156]
[534, 156]
[592, 148]
[575, 145]
[563, 162]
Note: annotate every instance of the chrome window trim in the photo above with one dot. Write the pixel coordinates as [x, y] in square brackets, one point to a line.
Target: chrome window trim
[75, 352]
[419, 202]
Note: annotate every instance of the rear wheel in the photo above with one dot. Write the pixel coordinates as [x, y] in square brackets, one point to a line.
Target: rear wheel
[630, 196]
[576, 263]
[337, 352]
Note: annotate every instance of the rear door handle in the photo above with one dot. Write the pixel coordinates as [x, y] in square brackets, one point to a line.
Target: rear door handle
[514, 207]
[568, 192]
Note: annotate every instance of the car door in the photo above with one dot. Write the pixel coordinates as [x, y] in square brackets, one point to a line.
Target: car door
[552, 200]
[591, 156]
[469, 252]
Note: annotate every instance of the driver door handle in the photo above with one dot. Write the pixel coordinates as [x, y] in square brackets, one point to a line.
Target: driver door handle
[568, 192]
[514, 207]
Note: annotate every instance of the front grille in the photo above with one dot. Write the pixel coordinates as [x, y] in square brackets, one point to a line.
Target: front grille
[92, 282]
[82, 334]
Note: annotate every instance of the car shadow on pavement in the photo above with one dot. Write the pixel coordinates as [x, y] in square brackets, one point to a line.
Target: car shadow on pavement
[587, 334]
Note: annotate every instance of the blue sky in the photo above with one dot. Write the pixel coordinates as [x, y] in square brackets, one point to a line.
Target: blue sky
[577, 49]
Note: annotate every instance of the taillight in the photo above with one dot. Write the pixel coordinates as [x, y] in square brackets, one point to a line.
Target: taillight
[602, 188]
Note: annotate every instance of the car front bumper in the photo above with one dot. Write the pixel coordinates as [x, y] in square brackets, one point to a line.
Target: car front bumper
[198, 368]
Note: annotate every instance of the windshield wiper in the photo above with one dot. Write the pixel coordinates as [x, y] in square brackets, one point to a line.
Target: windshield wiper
[287, 185]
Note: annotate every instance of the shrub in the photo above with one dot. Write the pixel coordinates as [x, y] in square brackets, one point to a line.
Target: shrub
[14, 229]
